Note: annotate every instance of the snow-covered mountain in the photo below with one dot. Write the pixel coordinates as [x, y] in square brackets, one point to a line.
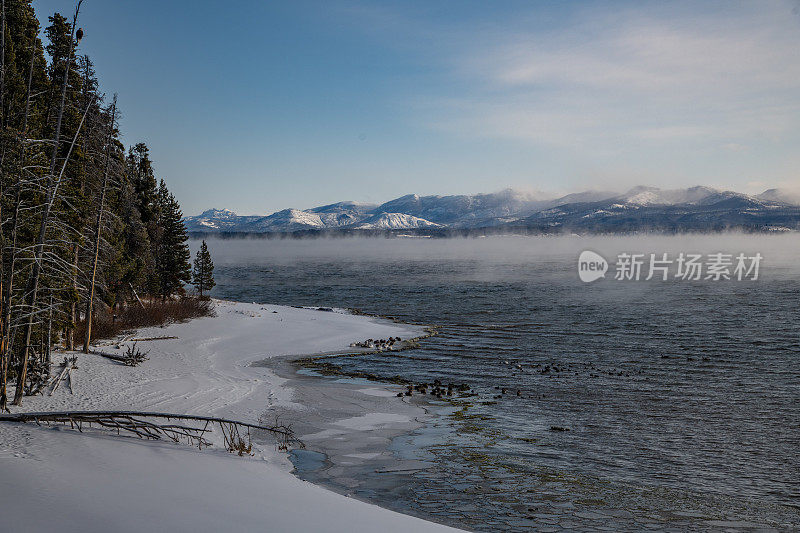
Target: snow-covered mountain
[345, 207]
[654, 196]
[217, 220]
[466, 211]
[343, 213]
[396, 221]
[648, 208]
[781, 195]
[286, 220]
[695, 208]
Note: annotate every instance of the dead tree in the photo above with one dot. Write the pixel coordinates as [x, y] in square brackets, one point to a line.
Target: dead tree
[46, 354]
[98, 226]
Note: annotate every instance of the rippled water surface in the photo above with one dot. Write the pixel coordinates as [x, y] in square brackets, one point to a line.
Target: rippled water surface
[673, 396]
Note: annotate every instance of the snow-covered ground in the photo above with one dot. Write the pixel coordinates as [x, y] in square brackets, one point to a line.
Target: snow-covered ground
[56, 478]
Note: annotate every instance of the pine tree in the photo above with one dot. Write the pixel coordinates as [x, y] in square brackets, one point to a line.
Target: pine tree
[132, 257]
[203, 274]
[173, 267]
[142, 176]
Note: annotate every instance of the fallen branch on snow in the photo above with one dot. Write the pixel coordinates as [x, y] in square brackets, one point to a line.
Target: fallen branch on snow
[131, 357]
[66, 373]
[136, 422]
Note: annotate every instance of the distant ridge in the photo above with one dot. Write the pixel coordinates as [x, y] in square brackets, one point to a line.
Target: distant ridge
[639, 209]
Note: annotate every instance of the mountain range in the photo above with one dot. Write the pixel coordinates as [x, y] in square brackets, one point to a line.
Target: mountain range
[639, 209]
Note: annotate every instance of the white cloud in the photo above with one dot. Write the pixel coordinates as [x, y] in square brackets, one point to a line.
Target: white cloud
[639, 76]
[606, 96]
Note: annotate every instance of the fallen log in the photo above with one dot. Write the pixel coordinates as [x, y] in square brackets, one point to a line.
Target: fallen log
[135, 422]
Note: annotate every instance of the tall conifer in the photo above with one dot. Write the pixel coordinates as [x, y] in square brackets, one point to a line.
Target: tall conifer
[203, 274]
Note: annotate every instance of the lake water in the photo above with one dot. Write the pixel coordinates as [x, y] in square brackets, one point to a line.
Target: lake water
[638, 403]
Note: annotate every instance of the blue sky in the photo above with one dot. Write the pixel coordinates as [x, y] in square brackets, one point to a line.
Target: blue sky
[258, 106]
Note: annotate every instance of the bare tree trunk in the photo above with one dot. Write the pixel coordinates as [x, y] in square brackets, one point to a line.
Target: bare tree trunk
[69, 329]
[69, 333]
[97, 228]
[46, 351]
[52, 190]
[136, 295]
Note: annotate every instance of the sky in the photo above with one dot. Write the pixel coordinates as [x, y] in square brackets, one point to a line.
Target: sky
[258, 106]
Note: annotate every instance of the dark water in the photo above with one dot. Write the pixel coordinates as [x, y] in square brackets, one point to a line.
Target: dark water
[680, 400]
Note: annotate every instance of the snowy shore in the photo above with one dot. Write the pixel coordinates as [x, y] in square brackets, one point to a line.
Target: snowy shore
[57, 478]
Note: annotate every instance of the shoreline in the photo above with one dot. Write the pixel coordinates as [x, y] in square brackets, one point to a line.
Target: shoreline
[353, 439]
[208, 369]
[373, 463]
[380, 469]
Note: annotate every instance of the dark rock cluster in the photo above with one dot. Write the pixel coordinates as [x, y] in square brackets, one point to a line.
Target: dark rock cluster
[379, 344]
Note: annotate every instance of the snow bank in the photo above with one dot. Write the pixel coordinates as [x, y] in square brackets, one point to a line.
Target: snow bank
[56, 478]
